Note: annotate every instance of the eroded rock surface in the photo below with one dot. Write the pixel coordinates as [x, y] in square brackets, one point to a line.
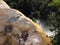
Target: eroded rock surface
[17, 29]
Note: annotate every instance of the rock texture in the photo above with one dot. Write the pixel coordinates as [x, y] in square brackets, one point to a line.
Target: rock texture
[17, 29]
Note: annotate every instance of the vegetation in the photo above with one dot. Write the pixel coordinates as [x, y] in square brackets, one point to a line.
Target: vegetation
[47, 10]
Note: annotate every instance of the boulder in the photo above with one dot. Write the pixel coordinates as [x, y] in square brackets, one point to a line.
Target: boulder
[17, 29]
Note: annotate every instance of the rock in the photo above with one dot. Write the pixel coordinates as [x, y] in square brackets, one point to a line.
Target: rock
[3, 4]
[17, 29]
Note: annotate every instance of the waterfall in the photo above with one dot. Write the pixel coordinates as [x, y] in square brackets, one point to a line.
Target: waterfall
[45, 28]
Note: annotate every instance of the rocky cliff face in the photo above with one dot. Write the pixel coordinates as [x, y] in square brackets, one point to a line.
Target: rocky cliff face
[17, 29]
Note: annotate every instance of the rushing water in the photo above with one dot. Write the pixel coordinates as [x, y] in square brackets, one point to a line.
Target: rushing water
[45, 28]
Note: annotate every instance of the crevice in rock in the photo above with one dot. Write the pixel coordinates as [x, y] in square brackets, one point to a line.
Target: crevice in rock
[24, 35]
[8, 28]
